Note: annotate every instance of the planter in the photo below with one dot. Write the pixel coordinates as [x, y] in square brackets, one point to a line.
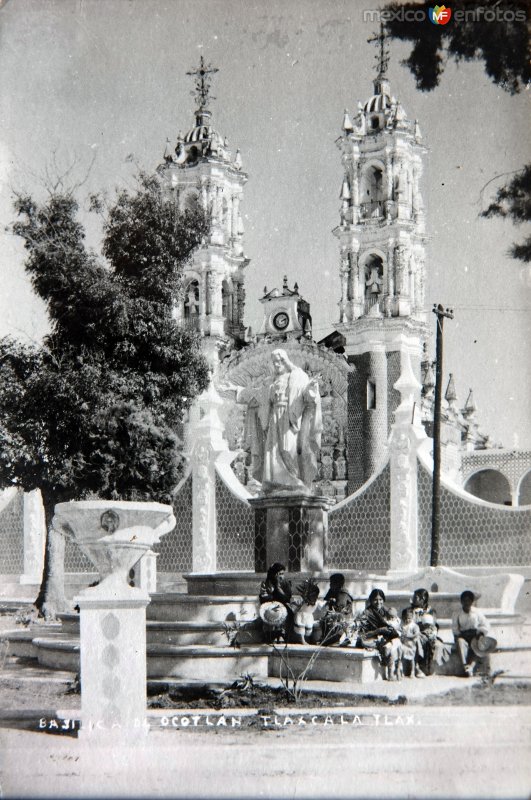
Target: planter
[114, 535]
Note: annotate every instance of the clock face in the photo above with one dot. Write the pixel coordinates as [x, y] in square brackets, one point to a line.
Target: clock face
[281, 320]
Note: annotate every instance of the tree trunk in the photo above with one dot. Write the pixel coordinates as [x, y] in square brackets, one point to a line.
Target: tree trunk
[51, 599]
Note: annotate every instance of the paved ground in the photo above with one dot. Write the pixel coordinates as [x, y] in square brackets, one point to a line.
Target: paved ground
[458, 752]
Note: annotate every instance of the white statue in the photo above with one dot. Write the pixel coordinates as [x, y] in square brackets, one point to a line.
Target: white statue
[284, 427]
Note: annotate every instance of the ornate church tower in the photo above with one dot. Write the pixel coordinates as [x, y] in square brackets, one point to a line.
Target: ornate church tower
[382, 268]
[203, 169]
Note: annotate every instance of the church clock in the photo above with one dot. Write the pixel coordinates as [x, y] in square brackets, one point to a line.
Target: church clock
[281, 321]
[285, 313]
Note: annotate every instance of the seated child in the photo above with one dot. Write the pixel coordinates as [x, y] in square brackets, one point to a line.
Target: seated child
[394, 671]
[467, 625]
[411, 644]
[303, 623]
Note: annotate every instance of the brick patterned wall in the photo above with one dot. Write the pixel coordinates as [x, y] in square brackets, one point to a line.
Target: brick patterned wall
[472, 535]
[393, 397]
[12, 536]
[355, 447]
[359, 531]
[235, 530]
[175, 549]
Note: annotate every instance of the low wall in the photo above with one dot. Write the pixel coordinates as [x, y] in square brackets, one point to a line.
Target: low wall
[175, 548]
[473, 532]
[359, 527]
[11, 532]
[234, 530]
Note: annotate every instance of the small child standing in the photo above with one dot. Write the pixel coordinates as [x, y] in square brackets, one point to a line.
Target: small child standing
[468, 625]
[411, 644]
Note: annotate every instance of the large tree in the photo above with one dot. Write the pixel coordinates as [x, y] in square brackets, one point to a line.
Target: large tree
[495, 33]
[94, 410]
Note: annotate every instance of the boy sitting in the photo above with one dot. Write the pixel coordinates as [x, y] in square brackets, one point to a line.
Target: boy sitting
[470, 628]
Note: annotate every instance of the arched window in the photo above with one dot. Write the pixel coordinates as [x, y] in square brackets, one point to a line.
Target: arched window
[191, 300]
[373, 280]
[491, 485]
[372, 196]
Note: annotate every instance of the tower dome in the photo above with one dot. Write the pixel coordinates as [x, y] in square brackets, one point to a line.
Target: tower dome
[381, 99]
[203, 132]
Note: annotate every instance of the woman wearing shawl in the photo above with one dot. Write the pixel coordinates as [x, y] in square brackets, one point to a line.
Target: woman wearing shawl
[275, 590]
[337, 620]
[375, 631]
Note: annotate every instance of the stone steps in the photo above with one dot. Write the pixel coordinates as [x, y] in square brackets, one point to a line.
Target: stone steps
[176, 607]
[187, 638]
[204, 662]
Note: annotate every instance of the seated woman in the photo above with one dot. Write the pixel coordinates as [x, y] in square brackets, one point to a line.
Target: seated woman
[337, 621]
[470, 629]
[432, 648]
[275, 591]
[376, 631]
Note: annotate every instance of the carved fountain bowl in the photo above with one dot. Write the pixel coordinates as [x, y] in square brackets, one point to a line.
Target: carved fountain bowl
[114, 534]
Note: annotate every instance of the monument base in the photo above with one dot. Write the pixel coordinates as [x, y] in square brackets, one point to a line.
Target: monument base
[291, 529]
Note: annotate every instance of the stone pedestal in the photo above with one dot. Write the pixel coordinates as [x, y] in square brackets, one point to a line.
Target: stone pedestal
[113, 666]
[292, 529]
[114, 535]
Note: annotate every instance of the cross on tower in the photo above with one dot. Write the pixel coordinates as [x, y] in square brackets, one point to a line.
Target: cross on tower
[202, 83]
[382, 56]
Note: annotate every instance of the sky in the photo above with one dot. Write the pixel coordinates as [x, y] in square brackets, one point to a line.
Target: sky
[92, 82]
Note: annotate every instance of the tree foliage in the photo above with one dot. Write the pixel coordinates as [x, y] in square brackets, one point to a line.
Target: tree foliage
[502, 44]
[503, 47]
[94, 410]
[514, 201]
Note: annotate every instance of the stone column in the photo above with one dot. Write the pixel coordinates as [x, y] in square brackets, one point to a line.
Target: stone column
[113, 666]
[34, 538]
[406, 434]
[208, 441]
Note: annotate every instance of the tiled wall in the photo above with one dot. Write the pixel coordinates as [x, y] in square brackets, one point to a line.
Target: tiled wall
[175, 549]
[235, 530]
[359, 531]
[12, 536]
[471, 534]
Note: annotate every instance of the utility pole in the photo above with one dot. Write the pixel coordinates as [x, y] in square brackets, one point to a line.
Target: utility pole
[440, 313]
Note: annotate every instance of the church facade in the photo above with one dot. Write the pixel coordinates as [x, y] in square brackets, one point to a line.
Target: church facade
[374, 371]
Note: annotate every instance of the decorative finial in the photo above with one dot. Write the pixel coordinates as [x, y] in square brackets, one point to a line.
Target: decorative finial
[382, 56]
[451, 394]
[470, 405]
[348, 127]
[202, 83]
